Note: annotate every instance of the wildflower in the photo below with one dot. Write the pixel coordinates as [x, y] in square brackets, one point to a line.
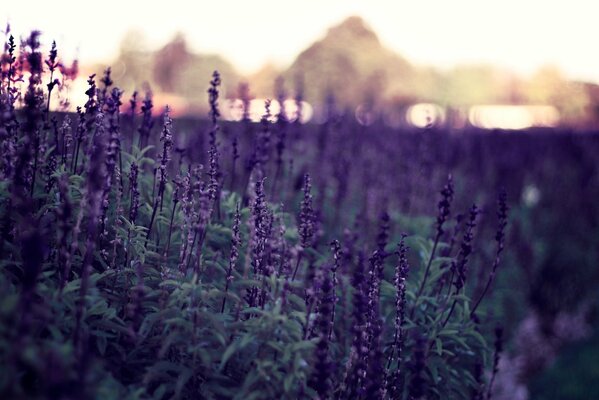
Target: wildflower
[383, 236]
[337, 255]
[134, 207]
[459, 265]
[401, 273]
[373, 382]
[445, 205]
[96, 175]
[52, 64]
[214, 171]
[213, 96]
[147, 122]
[442, 216]
[356, 366]
[323, 367]
[306, 221]
[107, 82]
[235, 242]
[113, 150]
[66, 132]
[502, 211]
[167, 138]
[306, 216]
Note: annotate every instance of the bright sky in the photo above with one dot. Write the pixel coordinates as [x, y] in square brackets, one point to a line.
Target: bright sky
[520, 34]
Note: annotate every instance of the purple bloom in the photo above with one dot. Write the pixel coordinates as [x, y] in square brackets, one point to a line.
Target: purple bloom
[401, 273]
[235, 242]
[166, 137]
[459, 265]
[306, 216]
[323, 367]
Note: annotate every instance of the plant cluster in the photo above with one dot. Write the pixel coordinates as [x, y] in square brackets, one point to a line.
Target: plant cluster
[131, 267]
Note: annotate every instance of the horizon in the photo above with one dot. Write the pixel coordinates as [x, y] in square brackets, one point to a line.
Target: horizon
[277, 37]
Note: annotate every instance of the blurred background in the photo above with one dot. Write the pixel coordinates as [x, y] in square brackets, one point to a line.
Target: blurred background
[508, 64]
[501, 94]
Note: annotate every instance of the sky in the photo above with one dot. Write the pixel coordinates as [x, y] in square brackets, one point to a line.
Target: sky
[521, 35]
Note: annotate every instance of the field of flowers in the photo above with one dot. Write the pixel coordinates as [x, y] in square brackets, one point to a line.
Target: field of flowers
[146, 257]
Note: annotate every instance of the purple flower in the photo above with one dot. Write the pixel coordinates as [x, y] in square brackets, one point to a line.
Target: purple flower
[445, 205]
[234, 255]
[459, 265]
[502, 215]
[306, 216]
[147, 122]
[401, 273]
[323, 367]
[383, 235]
[166, 137]
[134, 207]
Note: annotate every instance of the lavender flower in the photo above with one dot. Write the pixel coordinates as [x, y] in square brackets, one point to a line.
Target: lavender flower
[96, 175]
[213, 100]
[203, 213]
[306, 221]
[235, 242]
[445, 205]
[177, 194]
[147, 122]
[79, 139]
[113, 150]
[459, 266]
[383, 236]
[52, 64]
[262, 226]
[187, 211]
[33, 100]
[214, 172]
[167, 138]
[460, 263]
[356, 366]
[134, 207]
[337, 255]
[91, 111]
[374, 379]
[118, 223]
[444, 211]
[306, 216]
[323, 367]
[161, 170]
[502, 211]
[107, 82]
[66, 132]
[401, 273]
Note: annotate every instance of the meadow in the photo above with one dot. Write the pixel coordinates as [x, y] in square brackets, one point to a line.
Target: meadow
[146, 257]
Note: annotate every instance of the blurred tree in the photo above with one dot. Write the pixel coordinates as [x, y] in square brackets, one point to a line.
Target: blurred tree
[351, 62]
[172, 69]
[549, 86]
[169, 61]
[135, 56]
